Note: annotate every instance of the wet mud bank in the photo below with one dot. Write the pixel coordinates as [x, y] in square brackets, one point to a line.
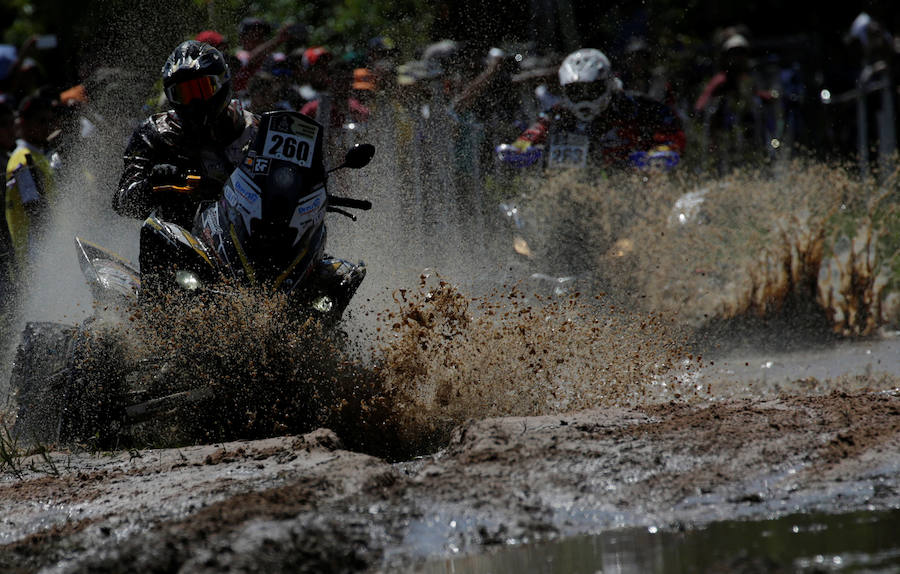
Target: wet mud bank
[304, 504]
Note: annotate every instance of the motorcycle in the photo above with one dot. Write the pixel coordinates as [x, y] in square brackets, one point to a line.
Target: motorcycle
[658, 159]
[267, 229]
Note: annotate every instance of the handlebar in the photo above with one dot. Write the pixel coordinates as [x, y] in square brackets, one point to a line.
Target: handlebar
[336, 201]
[191, 184]
[515, 157]
[664, 160]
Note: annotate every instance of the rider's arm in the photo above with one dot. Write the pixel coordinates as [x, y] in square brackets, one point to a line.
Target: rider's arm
[711, 89]
[670, 136]
[258, 56]
[535, 134]
[476, 89]
[667, 129]
[133, 197]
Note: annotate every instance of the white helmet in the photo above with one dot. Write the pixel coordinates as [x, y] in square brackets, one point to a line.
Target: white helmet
[587, 83]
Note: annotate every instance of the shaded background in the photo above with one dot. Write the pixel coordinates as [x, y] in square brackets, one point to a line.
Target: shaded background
[116, 32]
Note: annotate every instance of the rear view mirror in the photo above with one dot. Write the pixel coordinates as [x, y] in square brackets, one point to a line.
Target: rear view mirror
[359, 156]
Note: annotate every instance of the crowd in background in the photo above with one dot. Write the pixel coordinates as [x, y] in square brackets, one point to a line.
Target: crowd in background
[440, 115]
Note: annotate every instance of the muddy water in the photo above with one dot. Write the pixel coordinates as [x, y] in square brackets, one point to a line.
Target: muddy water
[854, 542]
[815, 363]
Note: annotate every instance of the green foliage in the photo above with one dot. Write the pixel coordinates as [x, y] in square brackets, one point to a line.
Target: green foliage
[10, 453]
[342, 26]
[876, 208]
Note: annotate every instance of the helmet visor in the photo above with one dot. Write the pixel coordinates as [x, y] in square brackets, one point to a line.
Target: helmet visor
[585, 91]
[202, 88]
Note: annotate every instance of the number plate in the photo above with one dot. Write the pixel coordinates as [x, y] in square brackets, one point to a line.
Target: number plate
[568, 150]
[294, 148]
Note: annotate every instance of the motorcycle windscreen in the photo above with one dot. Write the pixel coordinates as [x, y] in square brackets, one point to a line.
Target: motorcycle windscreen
[277, 198]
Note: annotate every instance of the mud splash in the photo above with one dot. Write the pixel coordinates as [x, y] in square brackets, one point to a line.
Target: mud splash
[512, 353]
[624, 334]
[810, 241]
[441, 358]
[251, 367]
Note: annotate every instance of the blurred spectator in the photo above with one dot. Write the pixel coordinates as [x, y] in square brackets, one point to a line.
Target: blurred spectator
[335, 107]
[214, 39]
[268, 92]
[252, 32]
[876, 89]
[731, 106]
[7, 130]
[490, 110]
[30, 177]
[256, 48]
[641, 72]
[296, 35]
[7, 144]
[111, 102]
[374, 68]
[380, 62]
[220, 43]
[363, 81]
[490, 89]
[315, 63]
[24, 74]
[430, 83]
[8, 57]
[876, 45]
[284, 67]
[537, 83]
[69, 112]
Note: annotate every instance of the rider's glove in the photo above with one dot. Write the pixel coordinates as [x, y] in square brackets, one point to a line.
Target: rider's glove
[521, 144]
[166, 173]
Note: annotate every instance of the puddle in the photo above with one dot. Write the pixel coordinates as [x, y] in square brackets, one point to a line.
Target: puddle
[856, 542]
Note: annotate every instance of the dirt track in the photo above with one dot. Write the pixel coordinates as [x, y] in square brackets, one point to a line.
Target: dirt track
[302, 504]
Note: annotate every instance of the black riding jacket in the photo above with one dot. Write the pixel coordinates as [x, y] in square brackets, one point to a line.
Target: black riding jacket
[162, 139]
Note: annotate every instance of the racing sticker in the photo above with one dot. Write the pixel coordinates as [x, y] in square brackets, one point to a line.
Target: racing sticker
[243, 194]
[261, 165]
[292, 141]
[310, 212]
[568, 150]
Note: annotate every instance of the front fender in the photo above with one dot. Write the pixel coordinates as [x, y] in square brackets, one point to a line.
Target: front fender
[510, 155]
[108, 275]
[167, 248]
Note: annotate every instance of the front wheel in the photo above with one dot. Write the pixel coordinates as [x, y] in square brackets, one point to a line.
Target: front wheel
[68, 384]
[41, 377]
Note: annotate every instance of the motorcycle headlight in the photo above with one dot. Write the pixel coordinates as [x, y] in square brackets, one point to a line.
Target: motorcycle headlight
[322, 304]
[187, 280]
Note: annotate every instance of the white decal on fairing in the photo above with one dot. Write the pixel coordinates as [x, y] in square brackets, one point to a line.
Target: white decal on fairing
[310, 212]
[242, 194]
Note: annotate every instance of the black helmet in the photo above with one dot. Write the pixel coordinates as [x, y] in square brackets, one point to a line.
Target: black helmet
[197, 82]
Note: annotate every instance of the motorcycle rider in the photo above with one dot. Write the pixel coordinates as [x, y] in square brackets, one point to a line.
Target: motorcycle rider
[204, 134]
[597, 122]
[30, 178]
